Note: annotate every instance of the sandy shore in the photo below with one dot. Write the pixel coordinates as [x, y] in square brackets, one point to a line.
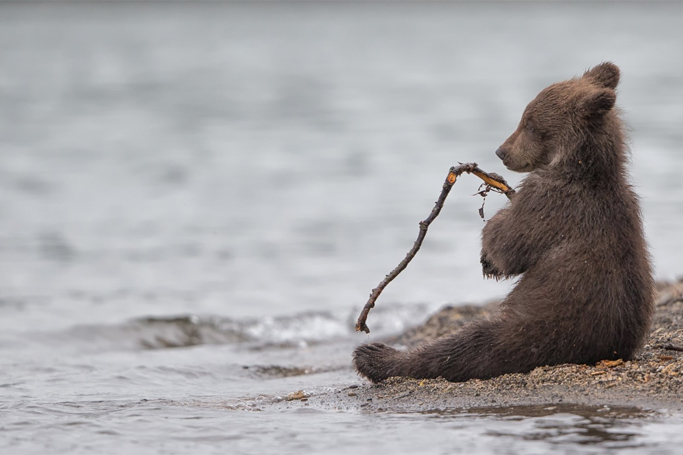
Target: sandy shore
[654, 380]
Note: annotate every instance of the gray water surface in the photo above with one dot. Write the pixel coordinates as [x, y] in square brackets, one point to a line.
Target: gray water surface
[196, 199]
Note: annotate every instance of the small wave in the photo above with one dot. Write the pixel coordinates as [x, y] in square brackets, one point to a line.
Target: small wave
[193, 330]
[296, 330]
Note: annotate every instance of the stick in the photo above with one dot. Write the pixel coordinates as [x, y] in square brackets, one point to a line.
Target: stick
[493, 182]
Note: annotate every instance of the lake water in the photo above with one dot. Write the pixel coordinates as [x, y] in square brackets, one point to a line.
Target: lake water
[196, 199]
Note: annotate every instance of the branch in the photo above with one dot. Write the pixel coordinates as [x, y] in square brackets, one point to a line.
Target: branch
[492, 181]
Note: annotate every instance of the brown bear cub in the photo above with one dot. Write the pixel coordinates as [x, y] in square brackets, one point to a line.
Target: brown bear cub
[572, 232]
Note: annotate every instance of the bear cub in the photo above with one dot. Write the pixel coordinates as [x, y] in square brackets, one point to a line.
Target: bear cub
[572, 235]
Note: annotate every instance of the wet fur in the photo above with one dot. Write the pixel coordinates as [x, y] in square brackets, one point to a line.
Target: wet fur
[572, 234]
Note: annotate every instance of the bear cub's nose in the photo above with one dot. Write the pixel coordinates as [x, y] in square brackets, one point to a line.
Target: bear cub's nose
[500, 153]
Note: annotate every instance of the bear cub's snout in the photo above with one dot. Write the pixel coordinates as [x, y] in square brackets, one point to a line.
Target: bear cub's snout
[500, 153]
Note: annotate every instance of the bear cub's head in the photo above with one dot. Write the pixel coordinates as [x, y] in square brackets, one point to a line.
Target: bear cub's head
[559, 117]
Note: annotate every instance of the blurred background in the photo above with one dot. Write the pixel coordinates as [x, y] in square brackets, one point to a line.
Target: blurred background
[249, 161]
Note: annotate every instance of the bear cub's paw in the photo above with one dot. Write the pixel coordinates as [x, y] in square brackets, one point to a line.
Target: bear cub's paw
[376, 361]
[489, 270]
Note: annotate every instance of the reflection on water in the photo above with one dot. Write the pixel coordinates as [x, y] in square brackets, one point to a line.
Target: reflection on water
[565, 429]
[562, 424]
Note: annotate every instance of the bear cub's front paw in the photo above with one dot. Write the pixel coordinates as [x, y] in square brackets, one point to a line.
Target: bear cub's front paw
[488, 269]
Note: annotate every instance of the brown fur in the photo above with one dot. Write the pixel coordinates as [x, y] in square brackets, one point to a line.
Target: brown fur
[574, 234]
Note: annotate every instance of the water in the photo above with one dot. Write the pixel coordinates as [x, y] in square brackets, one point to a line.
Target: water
[196, 199]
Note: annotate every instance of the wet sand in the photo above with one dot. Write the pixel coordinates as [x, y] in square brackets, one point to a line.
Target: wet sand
[654, 380]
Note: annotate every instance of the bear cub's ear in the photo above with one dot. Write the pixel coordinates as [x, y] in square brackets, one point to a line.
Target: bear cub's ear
[605, 75]
[598, 102]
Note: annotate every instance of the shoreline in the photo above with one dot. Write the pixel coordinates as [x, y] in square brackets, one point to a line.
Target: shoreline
[653, 380]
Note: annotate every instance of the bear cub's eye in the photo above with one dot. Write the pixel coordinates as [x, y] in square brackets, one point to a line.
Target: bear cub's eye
[530, 127]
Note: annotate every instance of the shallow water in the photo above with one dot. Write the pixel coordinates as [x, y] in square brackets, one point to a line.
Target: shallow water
[196, 199]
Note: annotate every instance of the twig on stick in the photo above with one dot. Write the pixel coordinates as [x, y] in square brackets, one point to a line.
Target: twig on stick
[493, 182]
